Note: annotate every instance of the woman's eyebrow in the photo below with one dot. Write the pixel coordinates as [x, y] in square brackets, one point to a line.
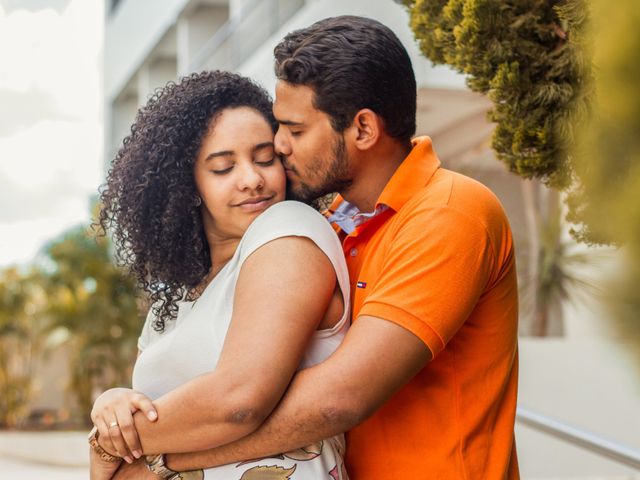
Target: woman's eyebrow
[222, 153]
[230, 153]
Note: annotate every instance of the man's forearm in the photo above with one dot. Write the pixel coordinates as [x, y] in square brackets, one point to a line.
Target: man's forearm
[100, 469]
[134, 471]
[374, 361]
[305, 415]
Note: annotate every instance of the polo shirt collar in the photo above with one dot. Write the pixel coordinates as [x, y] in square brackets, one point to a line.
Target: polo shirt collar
[414, 172]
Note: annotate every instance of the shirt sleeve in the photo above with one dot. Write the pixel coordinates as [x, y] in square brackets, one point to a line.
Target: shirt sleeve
[147, 331]
[291, 218]
[434, 271]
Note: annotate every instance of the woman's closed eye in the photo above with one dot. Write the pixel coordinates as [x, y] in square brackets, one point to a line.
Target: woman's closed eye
[266, 163]
[263, 162]
[221, 171]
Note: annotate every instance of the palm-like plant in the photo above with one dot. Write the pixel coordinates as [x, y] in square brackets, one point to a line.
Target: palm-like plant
[23, 326]
[96, 303]
[558, 274]
[528, 58]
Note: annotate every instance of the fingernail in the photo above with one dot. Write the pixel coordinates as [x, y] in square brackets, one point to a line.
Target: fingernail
[137, 453]
[128, 459]
[152, 415]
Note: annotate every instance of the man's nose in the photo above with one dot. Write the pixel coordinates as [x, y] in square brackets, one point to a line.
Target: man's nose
[281, 143]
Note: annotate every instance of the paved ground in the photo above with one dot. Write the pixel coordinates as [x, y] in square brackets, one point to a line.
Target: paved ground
[31, 471]
[64, 456]
[44, 455]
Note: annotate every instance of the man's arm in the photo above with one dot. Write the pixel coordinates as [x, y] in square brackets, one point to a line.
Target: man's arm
[134, 471]
[376, 358]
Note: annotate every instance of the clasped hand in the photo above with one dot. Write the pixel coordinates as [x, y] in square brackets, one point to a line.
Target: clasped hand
[112, 414]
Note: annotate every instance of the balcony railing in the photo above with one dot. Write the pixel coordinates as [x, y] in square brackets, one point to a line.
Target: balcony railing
[243, 34]
[582, 438]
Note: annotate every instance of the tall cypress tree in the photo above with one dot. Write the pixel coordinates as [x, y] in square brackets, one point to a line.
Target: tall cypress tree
[556, 120]
[608, 153]
[607, 200]
[522, 55]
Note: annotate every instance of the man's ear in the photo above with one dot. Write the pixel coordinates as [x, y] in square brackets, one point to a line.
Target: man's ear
[367, 128]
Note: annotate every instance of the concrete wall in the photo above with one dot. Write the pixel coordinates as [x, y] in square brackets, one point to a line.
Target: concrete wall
[131, 33]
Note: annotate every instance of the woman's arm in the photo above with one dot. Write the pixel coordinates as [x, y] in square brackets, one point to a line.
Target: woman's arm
[282, 293]
[376, 358]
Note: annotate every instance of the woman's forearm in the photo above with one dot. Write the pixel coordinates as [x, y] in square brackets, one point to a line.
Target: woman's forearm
[204, 413]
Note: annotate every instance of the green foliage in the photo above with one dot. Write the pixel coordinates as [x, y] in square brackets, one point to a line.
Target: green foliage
[608, 153]
[608, 158]
[96, 303]
[77, 290]
[527, 57]
[22, 330]
[563, 76]
[557, 276]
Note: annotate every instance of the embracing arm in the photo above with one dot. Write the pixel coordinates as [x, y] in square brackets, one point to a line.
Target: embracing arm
[376, 358]
[262, 349]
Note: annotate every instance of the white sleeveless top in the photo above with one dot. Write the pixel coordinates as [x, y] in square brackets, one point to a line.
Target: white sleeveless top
[191, 344]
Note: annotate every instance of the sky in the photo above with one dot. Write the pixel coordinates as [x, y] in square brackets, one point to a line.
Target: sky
[51, 140]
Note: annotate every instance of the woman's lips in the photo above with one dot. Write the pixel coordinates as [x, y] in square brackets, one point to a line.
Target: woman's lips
[255, 204]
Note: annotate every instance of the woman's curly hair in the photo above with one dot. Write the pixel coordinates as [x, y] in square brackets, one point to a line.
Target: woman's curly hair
[150, 202]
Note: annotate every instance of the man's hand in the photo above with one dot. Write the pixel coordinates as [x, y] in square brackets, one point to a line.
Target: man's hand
[99, 469]
[134, 471]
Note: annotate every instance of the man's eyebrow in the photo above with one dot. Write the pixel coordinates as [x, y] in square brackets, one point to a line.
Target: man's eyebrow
[290, 123]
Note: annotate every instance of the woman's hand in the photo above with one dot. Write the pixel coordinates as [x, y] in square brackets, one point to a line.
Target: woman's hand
[113, 415]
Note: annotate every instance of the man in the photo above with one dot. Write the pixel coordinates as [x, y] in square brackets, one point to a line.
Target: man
[425, 381]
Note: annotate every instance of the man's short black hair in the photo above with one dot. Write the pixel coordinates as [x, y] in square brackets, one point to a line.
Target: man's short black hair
[352, 63]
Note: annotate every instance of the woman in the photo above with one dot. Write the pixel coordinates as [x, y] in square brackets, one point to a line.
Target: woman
[245, 288]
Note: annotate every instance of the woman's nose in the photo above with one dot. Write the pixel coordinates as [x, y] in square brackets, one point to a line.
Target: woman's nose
[251, 177]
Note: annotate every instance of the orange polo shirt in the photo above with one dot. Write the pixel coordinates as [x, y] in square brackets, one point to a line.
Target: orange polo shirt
[439, 262]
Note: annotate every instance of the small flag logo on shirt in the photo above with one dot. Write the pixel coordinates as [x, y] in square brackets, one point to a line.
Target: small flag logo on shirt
[361, 285]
